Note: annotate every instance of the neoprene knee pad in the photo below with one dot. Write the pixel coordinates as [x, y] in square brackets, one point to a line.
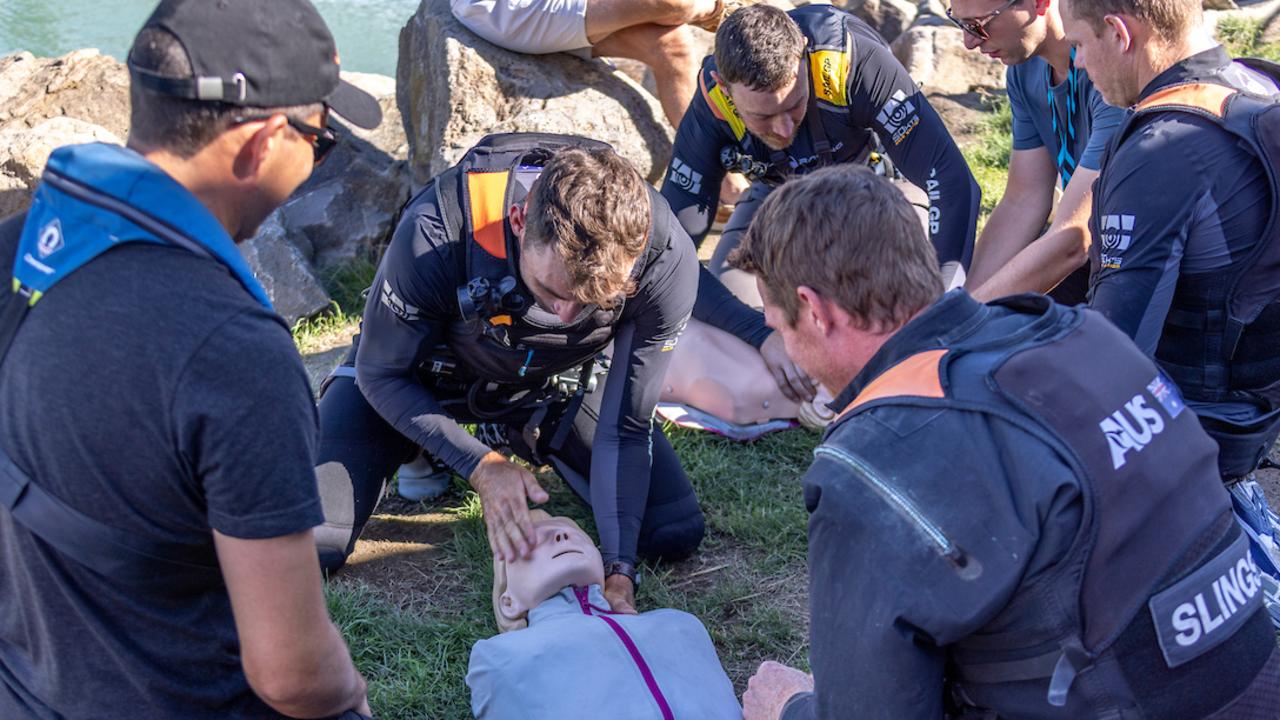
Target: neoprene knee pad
[333, 545]
[674, 538]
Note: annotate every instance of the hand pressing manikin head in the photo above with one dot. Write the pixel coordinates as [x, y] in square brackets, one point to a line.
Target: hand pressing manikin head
[563, 555]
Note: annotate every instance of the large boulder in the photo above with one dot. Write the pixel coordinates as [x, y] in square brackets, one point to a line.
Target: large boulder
[84, 84]
[46, 103]
[24, 152]
[890, 18]
[454, 88]
[935, 56]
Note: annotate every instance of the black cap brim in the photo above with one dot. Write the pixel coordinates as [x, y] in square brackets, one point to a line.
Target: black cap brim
[355, 106]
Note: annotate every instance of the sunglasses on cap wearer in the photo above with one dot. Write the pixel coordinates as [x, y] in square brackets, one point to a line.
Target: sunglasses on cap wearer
[977, 26]
[322, 139]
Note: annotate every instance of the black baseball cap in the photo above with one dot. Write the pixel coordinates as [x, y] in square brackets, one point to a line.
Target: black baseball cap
[257, 53]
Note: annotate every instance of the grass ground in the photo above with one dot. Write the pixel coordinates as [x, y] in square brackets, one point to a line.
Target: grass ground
[415, 597]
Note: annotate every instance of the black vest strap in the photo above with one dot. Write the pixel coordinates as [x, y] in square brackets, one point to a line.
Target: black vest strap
[104, 549]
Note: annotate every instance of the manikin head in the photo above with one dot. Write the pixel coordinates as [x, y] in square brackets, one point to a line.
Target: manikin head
[563, 555]
[841, 262]
[760, 63]
[1012, 31]
[581, 230]
[1124, 44]
[239, 123]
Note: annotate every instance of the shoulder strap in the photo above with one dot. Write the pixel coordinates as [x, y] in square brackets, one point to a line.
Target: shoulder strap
[829, 68]
[721, 105]
[106, 550]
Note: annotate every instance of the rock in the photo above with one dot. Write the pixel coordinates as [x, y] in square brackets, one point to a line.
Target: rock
[24, 152]
[888, 17]
[1219, 5]
[454, 88]
[285, 273]
[84, 84]
[347, 209]
[934, 8]
[388, 137]
[936, 58]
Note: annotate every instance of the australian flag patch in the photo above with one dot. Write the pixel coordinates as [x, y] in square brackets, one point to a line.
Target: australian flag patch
[1166, 393]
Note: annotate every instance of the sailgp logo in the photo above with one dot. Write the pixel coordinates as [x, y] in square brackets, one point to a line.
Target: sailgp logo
[50, 240]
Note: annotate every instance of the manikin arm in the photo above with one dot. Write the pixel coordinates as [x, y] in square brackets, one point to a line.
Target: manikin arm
[724, 376]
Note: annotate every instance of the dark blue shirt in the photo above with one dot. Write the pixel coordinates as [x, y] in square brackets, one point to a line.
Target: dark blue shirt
[149, 391]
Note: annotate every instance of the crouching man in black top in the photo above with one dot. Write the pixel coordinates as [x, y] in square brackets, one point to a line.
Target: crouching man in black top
[508, 276]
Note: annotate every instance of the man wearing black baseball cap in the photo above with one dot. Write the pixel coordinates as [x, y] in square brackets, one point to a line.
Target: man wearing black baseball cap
[157, 496]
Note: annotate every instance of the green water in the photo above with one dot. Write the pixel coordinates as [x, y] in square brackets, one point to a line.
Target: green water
[367, 31]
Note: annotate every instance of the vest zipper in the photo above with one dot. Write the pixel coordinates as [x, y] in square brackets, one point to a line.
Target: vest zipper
[584, 603]
[900, 502]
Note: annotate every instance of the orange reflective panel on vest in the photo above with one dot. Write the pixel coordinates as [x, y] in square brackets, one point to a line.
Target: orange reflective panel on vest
[917, 376]
[487, 195]
[1202, 96]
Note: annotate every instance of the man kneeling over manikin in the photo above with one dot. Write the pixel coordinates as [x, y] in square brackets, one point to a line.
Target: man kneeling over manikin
[562, 653]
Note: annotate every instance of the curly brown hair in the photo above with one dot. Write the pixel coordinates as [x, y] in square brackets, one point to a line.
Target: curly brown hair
[592, 207]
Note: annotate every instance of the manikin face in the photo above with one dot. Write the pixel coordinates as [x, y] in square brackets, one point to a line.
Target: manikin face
[1014, 28]
[564, 555]
[774, 116]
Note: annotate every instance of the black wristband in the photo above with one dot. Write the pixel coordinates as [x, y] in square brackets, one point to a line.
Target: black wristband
[621, 567]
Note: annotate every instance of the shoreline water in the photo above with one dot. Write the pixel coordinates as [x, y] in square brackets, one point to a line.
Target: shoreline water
[367, 31]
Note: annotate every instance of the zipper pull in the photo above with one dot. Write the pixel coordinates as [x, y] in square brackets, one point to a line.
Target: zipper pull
[527, 359]
[584, 601]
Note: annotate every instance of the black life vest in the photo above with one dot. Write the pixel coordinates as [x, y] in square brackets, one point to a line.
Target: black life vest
[504, 345]
[1155, 531]
[1223, 327]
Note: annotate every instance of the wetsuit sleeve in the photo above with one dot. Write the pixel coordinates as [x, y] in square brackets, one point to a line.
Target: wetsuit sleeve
[883, 96]
[621, 458]
[409, 308]
[1104, 119]
[898, 539]
[1025, 134]
[1140, 235]
[718, 307]
[692, 184]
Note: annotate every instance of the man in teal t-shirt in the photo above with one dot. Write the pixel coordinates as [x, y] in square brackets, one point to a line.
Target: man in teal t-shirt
[1060, 129]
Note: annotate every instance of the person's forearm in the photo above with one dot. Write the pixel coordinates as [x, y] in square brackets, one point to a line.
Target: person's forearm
[414, 412]
[330, 688]
[1039, 267]
[720, 308]
[1013, 226]
[1055, 255]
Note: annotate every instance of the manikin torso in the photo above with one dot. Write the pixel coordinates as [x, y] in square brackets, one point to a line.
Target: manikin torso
[572, 662]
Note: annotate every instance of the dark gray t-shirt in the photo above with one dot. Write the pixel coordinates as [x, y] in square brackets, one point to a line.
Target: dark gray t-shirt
[151, 392]
[1082, 117]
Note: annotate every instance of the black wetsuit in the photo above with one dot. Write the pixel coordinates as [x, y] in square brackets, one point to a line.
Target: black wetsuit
[875, 96]
[613, 456]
